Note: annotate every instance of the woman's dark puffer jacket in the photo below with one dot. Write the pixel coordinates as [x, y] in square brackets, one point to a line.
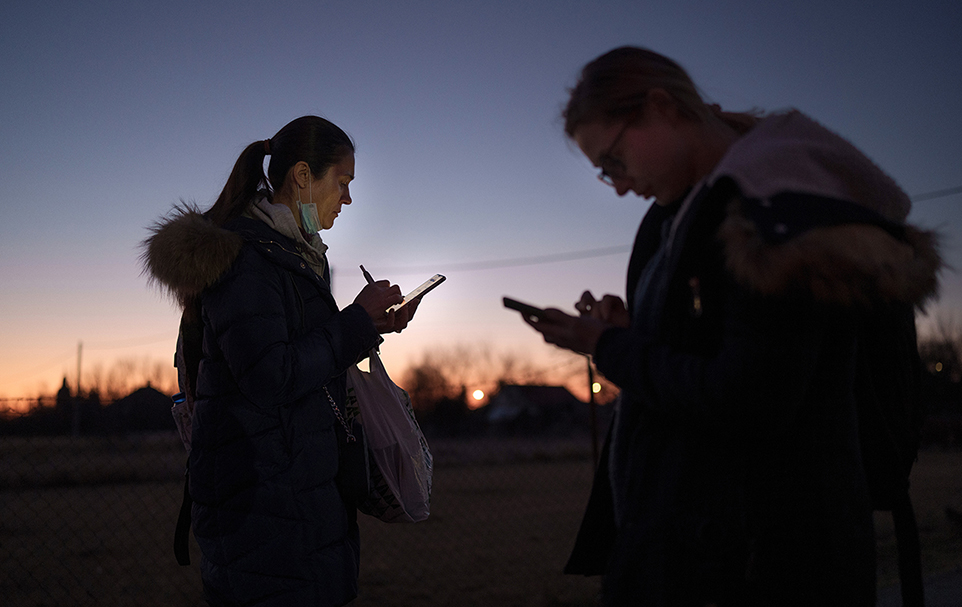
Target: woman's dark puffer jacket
[267, 513]
[733, 472]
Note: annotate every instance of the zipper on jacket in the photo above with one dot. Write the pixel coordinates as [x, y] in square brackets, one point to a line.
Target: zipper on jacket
[695, 285]
[300, 302]
[268, 243]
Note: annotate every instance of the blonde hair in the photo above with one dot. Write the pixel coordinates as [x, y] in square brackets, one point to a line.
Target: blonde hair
[615, 86]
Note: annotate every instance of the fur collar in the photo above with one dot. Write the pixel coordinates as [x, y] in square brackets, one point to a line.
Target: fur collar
[185, 253]
[851, 264]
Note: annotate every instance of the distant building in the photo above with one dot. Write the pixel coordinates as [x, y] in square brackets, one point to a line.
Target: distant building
[144, 410]
[64, 399]
[536, 410]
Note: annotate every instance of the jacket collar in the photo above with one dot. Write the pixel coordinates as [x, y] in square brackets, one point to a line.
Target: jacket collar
[185, 253]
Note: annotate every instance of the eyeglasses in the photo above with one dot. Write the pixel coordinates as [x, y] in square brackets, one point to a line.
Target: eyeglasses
[612, 168]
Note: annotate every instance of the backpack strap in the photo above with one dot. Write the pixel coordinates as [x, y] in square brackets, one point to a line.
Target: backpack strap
[909, 550]
[182, 530]
[888, 388]
[190, 343]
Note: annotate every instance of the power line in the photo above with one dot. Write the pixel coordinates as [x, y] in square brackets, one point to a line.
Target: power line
[936, 194]
[512, 262]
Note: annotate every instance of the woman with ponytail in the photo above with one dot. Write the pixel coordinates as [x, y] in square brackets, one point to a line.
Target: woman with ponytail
[732, 474]
[262, 357]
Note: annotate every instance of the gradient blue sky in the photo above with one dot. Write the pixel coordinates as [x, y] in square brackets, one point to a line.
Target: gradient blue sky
[113, 111]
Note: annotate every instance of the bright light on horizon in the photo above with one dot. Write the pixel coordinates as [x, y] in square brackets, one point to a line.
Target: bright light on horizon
[478, 394]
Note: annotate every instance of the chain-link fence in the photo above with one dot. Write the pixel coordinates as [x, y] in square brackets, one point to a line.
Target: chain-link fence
[89, 521]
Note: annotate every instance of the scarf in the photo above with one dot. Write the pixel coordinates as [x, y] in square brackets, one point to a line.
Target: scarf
[280, 218]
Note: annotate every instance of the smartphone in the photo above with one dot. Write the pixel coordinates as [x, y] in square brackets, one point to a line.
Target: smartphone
[422, 289]
[528, 310]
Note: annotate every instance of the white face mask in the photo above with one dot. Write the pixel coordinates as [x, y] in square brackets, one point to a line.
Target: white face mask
[310, 222]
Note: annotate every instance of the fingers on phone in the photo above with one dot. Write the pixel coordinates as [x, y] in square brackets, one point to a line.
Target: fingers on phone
[586, 304]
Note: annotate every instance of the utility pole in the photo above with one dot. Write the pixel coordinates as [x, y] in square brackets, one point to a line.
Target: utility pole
[75, 430]
[593, 410]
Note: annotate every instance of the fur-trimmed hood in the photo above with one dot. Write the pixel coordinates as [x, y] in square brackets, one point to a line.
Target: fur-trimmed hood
[186, 253]
[813, 214]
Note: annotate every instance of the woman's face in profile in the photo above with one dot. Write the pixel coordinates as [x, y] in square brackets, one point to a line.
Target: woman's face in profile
[332, 190]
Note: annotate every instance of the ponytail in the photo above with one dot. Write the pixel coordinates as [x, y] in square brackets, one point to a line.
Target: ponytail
[246, 178]
[740, 122]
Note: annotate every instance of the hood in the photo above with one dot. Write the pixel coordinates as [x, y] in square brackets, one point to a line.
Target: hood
[185, 253]
[792, 153]
[789, 160]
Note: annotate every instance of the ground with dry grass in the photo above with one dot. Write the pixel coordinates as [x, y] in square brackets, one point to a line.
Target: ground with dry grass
[504, 516]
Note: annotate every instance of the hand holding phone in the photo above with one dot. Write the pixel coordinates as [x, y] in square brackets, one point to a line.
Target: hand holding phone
[422, 289]
[576, 333]
[530, 312]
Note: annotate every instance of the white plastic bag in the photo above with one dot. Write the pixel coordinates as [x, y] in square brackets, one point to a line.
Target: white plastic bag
[183, 407]
[401, 462]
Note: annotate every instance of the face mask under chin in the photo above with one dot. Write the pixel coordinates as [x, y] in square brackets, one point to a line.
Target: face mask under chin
[310, 222]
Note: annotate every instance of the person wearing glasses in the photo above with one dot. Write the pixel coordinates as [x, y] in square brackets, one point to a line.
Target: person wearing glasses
[732, 473]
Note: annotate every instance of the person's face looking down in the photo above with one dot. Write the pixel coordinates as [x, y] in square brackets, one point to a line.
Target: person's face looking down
[650, 155]
[611, 166]
[332, 190]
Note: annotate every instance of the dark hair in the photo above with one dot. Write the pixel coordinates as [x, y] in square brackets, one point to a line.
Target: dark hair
[615, 86]
[318, 142]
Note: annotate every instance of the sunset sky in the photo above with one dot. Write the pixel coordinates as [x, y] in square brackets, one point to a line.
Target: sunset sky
[114, 111]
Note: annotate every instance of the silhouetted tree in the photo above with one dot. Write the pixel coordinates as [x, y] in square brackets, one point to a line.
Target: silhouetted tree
[127, 374]
[427, 385]
[940, 351]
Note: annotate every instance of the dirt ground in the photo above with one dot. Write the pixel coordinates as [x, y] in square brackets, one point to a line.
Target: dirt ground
[936, 485]
[509, 540]
[499, 534]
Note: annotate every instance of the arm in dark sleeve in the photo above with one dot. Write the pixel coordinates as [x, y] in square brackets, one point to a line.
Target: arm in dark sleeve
[248, 315]
[761, 370]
